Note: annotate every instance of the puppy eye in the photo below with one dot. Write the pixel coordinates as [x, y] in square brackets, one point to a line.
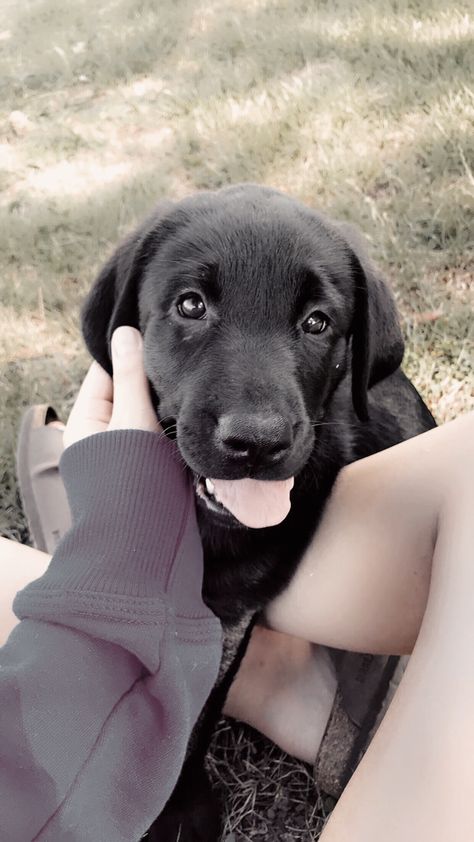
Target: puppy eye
[316, 322]
[191, 306]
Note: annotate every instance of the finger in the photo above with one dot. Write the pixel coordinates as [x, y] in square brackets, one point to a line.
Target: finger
[97, 385]
[92, 409]
[132, 408]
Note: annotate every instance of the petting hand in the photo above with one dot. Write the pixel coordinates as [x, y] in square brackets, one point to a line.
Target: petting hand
[121, 404]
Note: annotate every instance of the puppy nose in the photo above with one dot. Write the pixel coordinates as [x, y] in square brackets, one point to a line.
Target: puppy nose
[257, 436]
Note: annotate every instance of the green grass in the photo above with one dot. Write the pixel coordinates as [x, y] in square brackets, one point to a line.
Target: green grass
[365, 110]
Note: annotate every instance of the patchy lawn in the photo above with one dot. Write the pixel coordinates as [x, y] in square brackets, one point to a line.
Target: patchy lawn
[365, 110]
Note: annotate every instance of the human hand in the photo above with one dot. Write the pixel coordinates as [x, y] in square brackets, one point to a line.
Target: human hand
[119, 404]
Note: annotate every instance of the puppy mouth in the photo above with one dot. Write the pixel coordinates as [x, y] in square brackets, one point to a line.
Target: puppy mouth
[204, 489]
[247, 502]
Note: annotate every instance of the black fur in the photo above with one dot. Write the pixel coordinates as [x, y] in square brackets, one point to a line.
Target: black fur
[262, 262]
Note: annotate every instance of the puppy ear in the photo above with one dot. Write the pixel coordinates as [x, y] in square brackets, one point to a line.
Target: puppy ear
[377, 341]
[113, 299]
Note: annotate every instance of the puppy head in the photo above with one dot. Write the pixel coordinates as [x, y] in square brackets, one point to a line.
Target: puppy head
[252, 308]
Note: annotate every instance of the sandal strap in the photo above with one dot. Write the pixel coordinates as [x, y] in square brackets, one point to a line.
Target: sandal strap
[364, 683]
[335, 749]
[41, 488]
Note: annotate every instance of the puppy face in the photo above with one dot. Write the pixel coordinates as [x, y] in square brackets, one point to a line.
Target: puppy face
[248, 303]
[245, 318]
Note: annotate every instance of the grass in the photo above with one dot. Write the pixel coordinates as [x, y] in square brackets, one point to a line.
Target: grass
[267, 795]
[365, 110]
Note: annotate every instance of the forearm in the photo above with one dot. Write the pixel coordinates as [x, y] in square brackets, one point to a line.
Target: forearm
[363, 583]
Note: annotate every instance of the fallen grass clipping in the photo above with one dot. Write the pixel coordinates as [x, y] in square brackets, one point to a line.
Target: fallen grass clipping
[364, 110]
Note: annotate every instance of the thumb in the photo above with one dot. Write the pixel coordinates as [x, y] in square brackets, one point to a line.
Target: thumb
[132, 406]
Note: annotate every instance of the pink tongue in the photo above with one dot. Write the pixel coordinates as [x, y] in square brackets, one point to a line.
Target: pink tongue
[256, 503]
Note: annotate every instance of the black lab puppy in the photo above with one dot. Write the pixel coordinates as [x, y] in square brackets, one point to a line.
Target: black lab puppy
[273, 350]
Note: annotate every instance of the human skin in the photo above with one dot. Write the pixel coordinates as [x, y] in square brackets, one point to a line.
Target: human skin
[390, 570]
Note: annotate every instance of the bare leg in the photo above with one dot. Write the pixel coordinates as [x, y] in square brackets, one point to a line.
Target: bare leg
[18, 566]
[284, 680]
[391, 569]
[417, 779]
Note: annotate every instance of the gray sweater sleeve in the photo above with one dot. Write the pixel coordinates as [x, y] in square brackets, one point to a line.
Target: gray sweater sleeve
[104, 677]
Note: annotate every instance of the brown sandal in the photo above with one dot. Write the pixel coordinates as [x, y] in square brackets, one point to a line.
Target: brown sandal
[41, 489]
[366, 686]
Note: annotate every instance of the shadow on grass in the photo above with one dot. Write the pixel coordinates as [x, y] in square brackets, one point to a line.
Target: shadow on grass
[66, 239]
[410, 71]
[136, 39]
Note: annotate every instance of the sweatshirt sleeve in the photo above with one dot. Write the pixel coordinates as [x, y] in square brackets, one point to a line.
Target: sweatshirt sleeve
[105, 676]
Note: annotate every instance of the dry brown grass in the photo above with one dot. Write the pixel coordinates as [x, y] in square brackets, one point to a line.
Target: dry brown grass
[266, 794]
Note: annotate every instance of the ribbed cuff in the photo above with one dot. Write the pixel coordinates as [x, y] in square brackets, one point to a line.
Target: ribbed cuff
[131, 500]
